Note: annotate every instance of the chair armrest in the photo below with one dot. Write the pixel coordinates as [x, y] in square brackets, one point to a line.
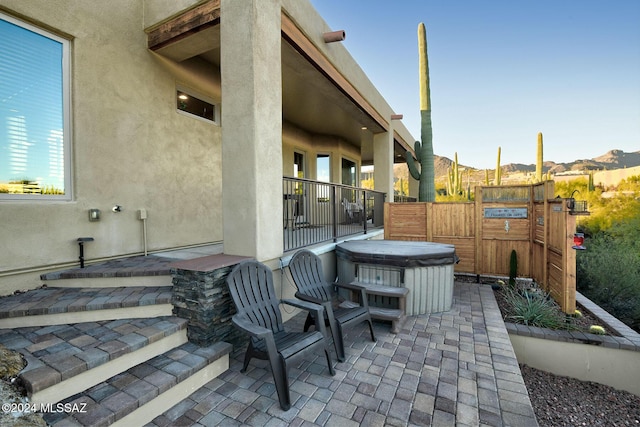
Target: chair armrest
[252, 329]
[360, 290]
[316, 308]
[309, 298]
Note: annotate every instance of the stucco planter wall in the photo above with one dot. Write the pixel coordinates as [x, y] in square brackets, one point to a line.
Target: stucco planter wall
[609, 360]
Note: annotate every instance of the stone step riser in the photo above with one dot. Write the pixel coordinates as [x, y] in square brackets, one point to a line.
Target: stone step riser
[110, 282]
[98, 374]
[144, 391]
[149, 311]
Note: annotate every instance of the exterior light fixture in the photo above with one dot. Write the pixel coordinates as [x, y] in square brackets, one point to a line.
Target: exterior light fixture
[578, 241]
[396, 117]
[94, 215]
[334, 36]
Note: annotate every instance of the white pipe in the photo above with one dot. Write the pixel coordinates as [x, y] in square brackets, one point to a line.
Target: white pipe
[144, 235]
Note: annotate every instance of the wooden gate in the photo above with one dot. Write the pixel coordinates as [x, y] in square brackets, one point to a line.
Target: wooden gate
[524, 218]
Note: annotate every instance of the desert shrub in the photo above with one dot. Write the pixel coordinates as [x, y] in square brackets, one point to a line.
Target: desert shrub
[608, 271]
[533, 309]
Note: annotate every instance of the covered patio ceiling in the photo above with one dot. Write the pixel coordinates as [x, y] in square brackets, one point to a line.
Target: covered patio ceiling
[315, 96]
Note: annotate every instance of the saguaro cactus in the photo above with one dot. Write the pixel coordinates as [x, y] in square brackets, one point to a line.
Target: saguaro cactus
[454, 181]
[498, 179]
[539, 173]
[424, 149]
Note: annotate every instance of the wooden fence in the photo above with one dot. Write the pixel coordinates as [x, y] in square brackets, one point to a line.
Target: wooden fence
[524, 218]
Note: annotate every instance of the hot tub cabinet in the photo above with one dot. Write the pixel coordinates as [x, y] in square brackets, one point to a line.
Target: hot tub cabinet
[426, 269]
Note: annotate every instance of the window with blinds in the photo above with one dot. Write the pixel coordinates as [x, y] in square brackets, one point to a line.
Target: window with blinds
[34, 113]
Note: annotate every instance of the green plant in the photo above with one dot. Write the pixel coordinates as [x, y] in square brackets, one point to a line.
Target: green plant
[424, 149]
[533, 309]
[607, 272]
[513, 268]
[596, 329]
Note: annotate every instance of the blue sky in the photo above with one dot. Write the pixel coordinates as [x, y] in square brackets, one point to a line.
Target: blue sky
[502, 71]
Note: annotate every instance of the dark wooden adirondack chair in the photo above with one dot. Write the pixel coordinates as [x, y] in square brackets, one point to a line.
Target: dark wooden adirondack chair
[306, 270]
[251, 287]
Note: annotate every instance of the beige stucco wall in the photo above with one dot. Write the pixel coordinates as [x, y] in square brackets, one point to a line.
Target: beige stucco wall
[611, 366]
[156, 11]
[129, 146]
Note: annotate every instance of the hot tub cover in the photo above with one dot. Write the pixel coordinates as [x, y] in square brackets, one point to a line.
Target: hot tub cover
[397, 253]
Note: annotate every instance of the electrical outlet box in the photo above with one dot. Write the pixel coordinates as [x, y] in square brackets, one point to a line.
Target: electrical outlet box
[142, 214]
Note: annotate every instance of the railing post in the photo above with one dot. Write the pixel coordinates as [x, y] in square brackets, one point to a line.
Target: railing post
[365, 208]
[334, 210]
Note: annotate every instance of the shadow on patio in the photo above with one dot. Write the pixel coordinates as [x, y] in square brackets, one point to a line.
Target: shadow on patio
[452, 368]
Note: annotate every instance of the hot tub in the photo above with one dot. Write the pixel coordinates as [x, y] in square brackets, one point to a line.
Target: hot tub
[425, 268]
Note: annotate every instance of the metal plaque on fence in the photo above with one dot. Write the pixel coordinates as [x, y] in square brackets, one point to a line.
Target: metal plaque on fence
[505, 212]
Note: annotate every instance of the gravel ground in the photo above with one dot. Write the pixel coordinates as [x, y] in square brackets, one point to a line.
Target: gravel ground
[563, 401]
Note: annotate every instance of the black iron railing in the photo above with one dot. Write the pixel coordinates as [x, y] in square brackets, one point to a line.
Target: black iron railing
[315, 212]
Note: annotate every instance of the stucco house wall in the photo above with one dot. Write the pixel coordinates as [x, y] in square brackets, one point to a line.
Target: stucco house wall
[130, 147]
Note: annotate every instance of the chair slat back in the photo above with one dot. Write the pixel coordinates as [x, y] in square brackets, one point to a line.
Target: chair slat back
[251, 287]
[308, 276]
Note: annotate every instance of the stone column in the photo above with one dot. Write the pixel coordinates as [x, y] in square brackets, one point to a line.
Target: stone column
[251, 74]
[201, 295]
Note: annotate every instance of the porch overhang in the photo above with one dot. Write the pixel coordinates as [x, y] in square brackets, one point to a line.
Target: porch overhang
[316, 96]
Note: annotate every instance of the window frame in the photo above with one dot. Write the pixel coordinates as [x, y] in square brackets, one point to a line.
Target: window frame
[328, 157]
[200, 96]
[66, 115]
[355, 171]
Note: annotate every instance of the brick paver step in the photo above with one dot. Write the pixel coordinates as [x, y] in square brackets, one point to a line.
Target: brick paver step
[135, 393]
[58, 353]
[52, 300]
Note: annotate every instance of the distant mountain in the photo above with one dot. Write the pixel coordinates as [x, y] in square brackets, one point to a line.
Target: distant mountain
[614, 159]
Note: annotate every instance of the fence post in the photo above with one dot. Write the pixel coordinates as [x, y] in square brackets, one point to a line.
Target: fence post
[479, 267]
[569, 267]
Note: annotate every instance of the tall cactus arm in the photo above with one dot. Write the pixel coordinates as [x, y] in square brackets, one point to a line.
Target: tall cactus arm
[498, 178]
[411, 163]
[424, 149]
[427, 192]
[425, 91]
[539, 157]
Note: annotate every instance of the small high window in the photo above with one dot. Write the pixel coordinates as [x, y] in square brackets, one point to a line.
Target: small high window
[197, 105]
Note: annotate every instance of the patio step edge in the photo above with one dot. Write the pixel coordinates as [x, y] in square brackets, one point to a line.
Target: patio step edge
[54, 305]
[95, 375]
[109, 281]
[138, 312]
[63, 358]
[134, 398]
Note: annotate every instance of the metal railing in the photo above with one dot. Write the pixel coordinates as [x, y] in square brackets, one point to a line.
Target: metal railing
[315, 212]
